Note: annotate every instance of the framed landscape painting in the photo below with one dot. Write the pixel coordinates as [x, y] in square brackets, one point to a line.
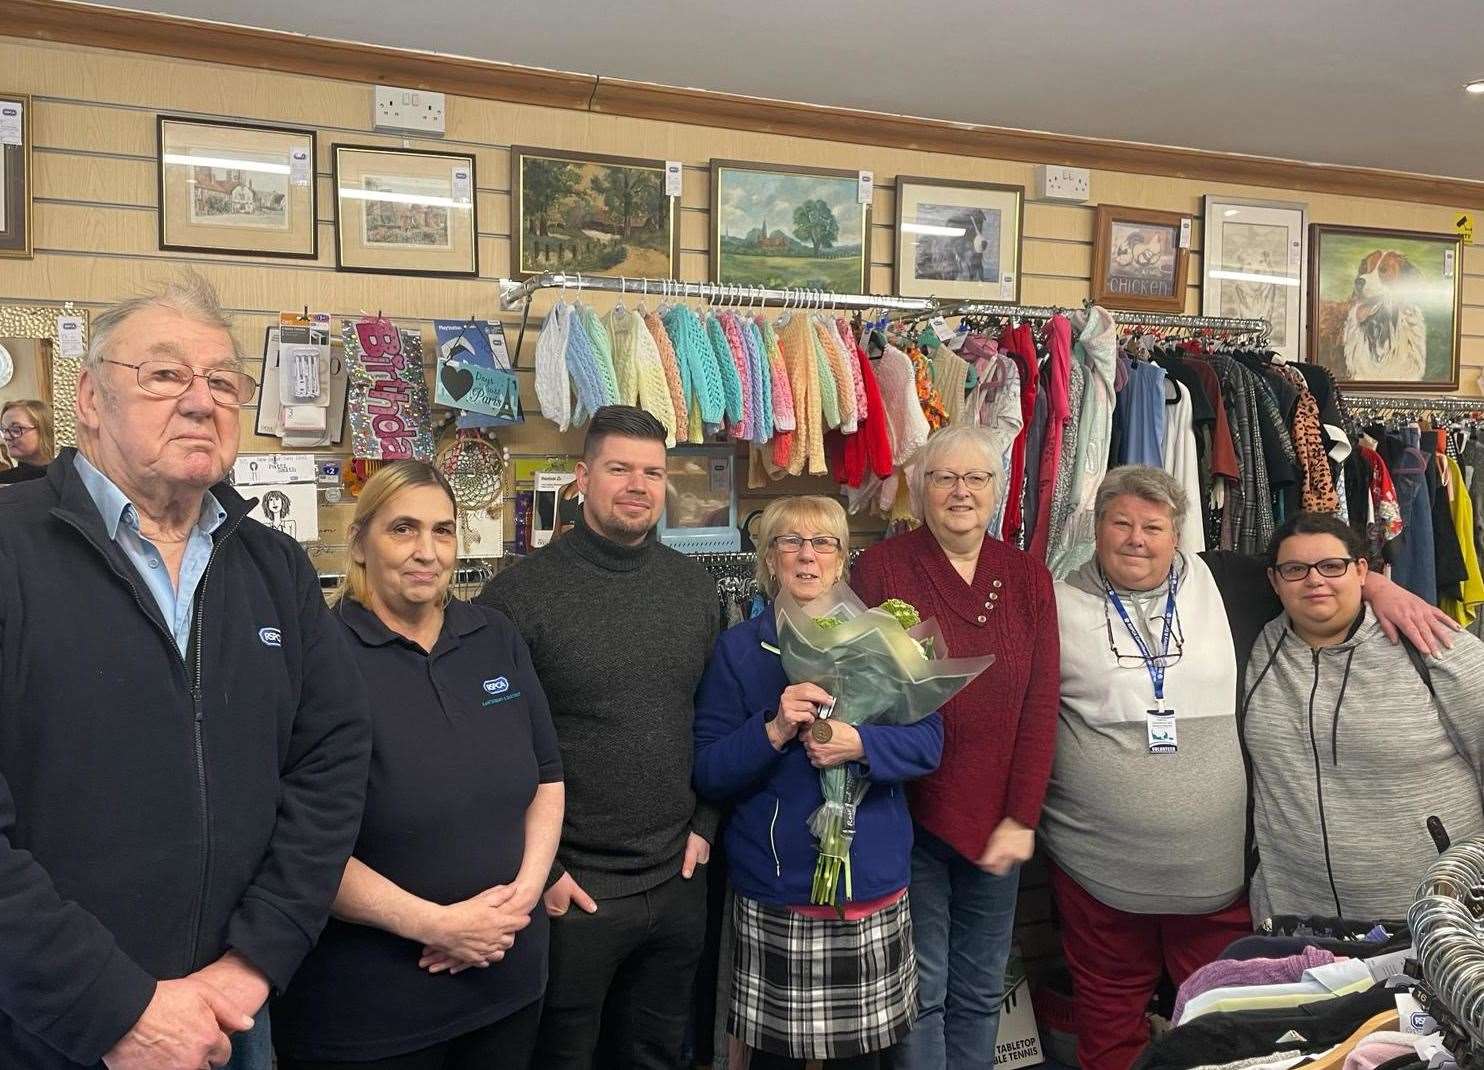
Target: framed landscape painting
[1253, 259]
[782, 226]
[958, 239]
[1137, 262]
[236, 188]
[604, 215]
[405, 211]
[1384, 307]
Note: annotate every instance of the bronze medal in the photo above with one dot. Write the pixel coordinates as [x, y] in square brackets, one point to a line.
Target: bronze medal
[821, 731]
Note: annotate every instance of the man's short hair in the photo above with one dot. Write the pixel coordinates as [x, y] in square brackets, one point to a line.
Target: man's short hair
[188, 294]
[1312, 523]
[630, 421]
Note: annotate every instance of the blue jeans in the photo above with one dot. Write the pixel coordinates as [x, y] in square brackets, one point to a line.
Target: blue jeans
[253, 1050]
[962, 921]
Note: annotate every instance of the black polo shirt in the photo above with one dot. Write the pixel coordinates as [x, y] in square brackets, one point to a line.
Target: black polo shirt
[461, 738]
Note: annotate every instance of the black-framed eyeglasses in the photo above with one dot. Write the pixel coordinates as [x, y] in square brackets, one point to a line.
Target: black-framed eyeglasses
[942, 479]
[792, 544]
[1331, 568]
[172, 378]
[16, 430]
[1135, 658]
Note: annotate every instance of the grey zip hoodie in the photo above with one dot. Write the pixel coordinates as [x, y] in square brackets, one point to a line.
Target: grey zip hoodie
[1350, 755]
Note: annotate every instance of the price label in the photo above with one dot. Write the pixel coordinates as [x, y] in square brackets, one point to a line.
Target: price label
[69, 336]
[301, 167]
[1007, 288]
[12, 116]
[1185, 233]
[1447, 263]
[463, 186]
[940, 328]
[865, 185]
[674, 178]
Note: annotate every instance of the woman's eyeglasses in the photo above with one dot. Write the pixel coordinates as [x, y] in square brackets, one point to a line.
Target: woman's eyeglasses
[172, 378]
[941, 479]
[1331, 568]
[792, 544]
[1136, 658]
[16, 430]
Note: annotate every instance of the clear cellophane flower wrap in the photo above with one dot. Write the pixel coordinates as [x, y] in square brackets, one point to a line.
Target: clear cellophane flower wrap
[878, 673]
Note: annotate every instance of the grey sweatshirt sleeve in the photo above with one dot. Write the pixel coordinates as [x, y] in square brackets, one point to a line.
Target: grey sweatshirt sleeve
[1458, 684]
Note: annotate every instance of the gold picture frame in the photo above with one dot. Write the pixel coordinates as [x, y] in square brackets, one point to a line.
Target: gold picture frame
[40, 322]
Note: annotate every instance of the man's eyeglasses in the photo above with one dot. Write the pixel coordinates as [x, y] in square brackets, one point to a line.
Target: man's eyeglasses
[941, 479]
[172, 378]
[792, 544]
[1331, 568]
[16, 430]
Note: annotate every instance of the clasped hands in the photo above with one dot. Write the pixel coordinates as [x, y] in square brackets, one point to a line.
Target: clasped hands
[797, 707]
[477, 931]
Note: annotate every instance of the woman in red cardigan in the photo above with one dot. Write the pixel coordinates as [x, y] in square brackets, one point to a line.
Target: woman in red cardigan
[974, 818]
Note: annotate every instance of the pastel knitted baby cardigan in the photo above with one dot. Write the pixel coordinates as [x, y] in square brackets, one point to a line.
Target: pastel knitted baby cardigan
[674, 380]
[597, 334]
[851, 345]
[582, 366]
[621, 334]
[707, 395]
[737, 350]
[726, 367]
[797, 343]
[782, 399]
[652, 389]
[553, 389]
[762, 381]
[827, 397]
[844, 371]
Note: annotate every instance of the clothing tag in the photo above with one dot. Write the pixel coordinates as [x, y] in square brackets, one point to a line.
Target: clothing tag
[1185, 233]
[1162, 732]
[12, 114]
[940, 328]
[69, 336]
[300, 167]
[463, 186]
[1295, 255]
[1412, 1017]
[674, 178]
[1430, 1049]
[864, 186]
[1447, 263]
[1007, 288]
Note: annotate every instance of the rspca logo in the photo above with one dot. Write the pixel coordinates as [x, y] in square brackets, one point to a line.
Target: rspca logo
[270, 636]
[498, 686]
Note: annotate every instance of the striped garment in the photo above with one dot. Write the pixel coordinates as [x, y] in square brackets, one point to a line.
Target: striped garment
[809, 988]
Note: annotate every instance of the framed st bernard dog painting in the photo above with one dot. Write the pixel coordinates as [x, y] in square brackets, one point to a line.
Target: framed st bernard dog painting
[958, 239]
[1383, 307]
[1137, 260]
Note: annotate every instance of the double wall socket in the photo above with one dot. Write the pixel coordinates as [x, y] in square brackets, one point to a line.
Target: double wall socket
[1057, 183]
[415, 110]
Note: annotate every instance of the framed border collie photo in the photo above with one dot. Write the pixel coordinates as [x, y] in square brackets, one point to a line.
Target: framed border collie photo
[1384, 307]
[958, 240]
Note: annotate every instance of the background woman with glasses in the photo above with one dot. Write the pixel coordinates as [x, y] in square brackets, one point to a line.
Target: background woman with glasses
[1146, 812]
[27, 428]
[1354, 741]
[975, 817]
[808, 984]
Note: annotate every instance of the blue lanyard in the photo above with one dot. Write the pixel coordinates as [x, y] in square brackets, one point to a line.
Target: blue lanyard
[1154, 666]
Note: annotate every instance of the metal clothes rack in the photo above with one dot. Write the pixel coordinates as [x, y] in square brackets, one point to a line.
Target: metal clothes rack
[1231, 324]
[1445, 919]
[1413, 403]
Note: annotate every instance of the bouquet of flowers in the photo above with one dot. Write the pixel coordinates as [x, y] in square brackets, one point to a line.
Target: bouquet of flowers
[883, 666]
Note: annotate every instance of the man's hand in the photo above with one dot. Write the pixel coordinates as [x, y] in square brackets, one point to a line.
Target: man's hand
[185, 1027]
[561, 895]
[1397, 609]
[237, 979]
[1009, 844]
[697, 853]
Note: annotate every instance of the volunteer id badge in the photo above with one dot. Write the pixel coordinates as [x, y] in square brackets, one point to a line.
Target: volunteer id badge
[1162, 731]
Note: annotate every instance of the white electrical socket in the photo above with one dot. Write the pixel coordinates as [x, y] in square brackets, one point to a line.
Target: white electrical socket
[417, 110]
[1058, 183]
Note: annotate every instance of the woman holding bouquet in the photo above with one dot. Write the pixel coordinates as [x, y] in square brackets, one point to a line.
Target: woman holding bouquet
[811, 982]
[975, 817]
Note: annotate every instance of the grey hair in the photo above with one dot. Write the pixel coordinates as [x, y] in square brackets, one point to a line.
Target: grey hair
[944, 441]
[188, 294]
[1153, 485]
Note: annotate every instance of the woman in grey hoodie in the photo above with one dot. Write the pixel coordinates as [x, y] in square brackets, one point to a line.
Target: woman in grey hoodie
[1354, 742]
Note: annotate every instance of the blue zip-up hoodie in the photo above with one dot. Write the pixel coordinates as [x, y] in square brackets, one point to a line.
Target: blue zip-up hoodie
[770, 850]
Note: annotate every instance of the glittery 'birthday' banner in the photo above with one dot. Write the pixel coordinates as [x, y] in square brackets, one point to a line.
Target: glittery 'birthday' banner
[388, 409]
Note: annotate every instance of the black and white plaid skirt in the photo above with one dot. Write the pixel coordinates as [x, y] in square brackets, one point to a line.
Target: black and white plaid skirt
[815, 988]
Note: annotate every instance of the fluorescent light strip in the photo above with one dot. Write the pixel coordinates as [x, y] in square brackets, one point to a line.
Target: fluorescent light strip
[934, 230]
[1247, 276]
[401, 198]
[227, 164]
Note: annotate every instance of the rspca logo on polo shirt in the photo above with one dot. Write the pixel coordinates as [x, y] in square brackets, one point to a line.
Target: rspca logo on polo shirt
[499, 691]
[270, 636]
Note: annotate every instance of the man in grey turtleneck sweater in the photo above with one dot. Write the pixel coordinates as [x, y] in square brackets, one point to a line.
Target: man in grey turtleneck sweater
[620, 628]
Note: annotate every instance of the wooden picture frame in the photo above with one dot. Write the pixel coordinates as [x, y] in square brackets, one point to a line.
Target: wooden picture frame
[15, 180]
[748, 250]
[1254, 256]
[405, 211]
[568, 215]
[1405, 337]
[1137, 261]
[981, 262]
[236, 188]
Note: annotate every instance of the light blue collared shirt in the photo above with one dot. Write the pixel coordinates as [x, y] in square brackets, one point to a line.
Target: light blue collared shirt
[121, 521]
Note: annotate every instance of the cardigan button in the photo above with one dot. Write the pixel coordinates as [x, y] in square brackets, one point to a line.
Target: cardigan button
[982, 618]
[996, 583]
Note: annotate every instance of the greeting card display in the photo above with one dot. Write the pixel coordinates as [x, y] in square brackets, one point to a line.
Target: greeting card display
[390, 415]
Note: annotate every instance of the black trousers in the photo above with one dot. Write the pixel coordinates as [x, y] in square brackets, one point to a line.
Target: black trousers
[503, 1045]
[877, 1060]
[619, 995]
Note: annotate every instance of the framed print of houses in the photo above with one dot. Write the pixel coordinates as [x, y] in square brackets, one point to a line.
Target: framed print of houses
[405, 211]
[236, 188]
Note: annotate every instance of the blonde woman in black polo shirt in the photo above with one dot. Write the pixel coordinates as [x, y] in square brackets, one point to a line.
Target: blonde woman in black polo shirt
[435, 956]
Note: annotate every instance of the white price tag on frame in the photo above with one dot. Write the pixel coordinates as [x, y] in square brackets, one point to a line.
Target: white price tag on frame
[463, 186]
[674, 178]
[12, 121]
[1185, 233]
[301, 167]
[1447, 263]
[865, 186]
[69, 337]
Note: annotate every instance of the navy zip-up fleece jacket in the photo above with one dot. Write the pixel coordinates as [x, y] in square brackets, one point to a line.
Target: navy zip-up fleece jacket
[157, 811]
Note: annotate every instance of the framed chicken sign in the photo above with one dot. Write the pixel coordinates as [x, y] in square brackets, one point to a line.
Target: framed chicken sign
[1384, 307]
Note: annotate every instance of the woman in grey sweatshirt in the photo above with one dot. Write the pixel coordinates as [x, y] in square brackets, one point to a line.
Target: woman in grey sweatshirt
[1352, 746]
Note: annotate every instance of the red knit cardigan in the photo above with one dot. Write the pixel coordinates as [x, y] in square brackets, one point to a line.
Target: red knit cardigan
[999, 733]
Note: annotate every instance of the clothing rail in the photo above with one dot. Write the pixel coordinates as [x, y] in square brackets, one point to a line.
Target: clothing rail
[1445, 923]
[1412, 403]
[1141, 319]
